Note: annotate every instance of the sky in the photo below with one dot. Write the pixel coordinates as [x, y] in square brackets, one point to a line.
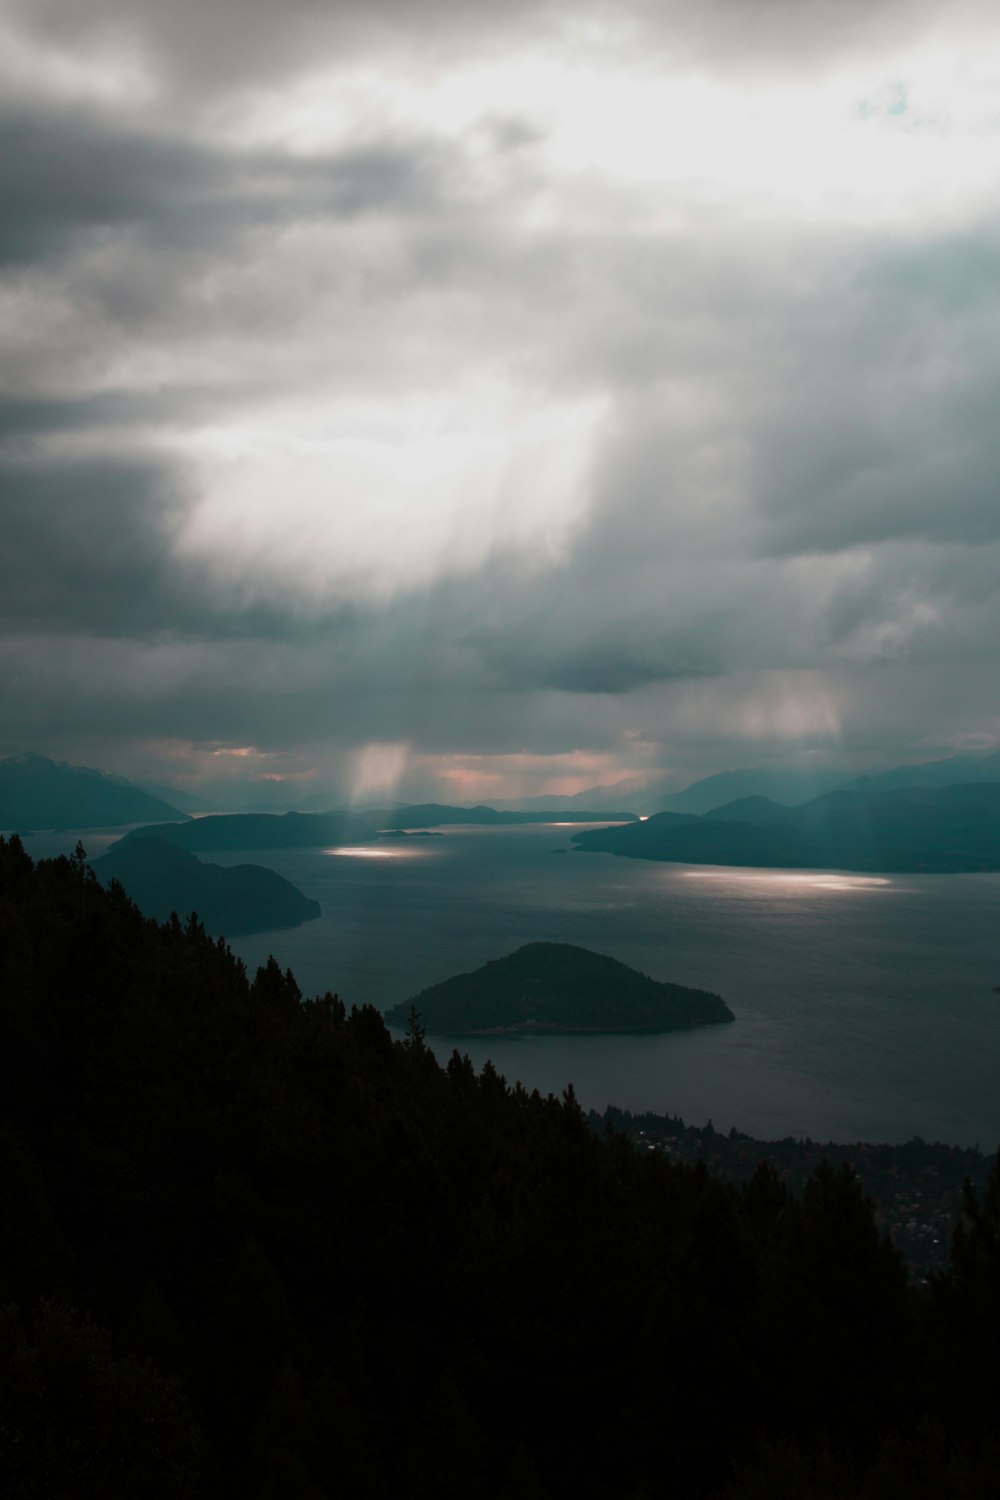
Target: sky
[480, 401]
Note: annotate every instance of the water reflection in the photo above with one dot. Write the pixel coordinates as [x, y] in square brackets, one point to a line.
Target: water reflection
[811, 879]
[377, 851]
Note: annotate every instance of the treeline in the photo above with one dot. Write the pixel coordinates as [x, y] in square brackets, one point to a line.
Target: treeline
[917, 1187]
[251, 1245]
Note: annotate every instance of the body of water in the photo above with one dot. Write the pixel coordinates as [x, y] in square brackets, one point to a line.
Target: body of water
[865, 1007]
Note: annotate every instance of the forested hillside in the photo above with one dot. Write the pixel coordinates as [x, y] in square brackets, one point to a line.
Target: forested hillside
[250, 1245]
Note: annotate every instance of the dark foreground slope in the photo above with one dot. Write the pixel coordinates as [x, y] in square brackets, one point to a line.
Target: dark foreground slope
[162, 879]
[252, 1246]
[555, 987]
[938, 830]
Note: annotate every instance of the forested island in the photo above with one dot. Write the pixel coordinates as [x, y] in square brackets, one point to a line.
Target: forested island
[250, 1244]
[161, 879]
[555, 987]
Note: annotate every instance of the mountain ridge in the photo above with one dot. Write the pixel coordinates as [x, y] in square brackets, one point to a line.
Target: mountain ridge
[36, 791]
[934, 830]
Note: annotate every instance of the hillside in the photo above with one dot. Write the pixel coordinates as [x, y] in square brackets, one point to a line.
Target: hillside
[251, 1245]
[161, 879]
[940, 830]
[40, 793]
[553, 987]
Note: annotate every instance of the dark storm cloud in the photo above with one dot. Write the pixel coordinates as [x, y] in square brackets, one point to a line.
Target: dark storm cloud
[920, 602]
[793, 397]
[588, 626]
[71, 172]
[87, 544]
[791, 482]
[294, 694]
[91, 545]
[578, 661]
[25, 419]
[894, 433]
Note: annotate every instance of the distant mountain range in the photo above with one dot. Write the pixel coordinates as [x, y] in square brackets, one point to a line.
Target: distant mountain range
[189, 802]
[40, 793]
[932, 830]
[431, 814]
[161, 879]
[957, 770]
[788, 786]
[555, 987]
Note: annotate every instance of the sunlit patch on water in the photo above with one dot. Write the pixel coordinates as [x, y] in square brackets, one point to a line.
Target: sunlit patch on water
[804, 880]
[379, 851]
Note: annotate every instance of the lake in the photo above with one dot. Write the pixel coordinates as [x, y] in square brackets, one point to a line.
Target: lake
[865, 1006]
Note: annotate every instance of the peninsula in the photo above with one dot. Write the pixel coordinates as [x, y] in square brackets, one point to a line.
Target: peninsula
[914, 830]
[161, 879]
[558, 988]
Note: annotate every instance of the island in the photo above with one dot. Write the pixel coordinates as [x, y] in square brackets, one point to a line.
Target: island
[410, 833]
[161, 879]
[558, 988]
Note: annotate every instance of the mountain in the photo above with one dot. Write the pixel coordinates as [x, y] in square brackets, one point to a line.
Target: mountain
[40, 793]
[759, 810]
[254, 1246]
[189, 802]
[161, 879]
[295, 830]
[788, 785]
[554, 987]
[935, 830]
[632, 791]
[957, 770]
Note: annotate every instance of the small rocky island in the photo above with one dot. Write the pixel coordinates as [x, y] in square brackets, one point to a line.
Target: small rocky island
[161, 878]
[556, 988]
